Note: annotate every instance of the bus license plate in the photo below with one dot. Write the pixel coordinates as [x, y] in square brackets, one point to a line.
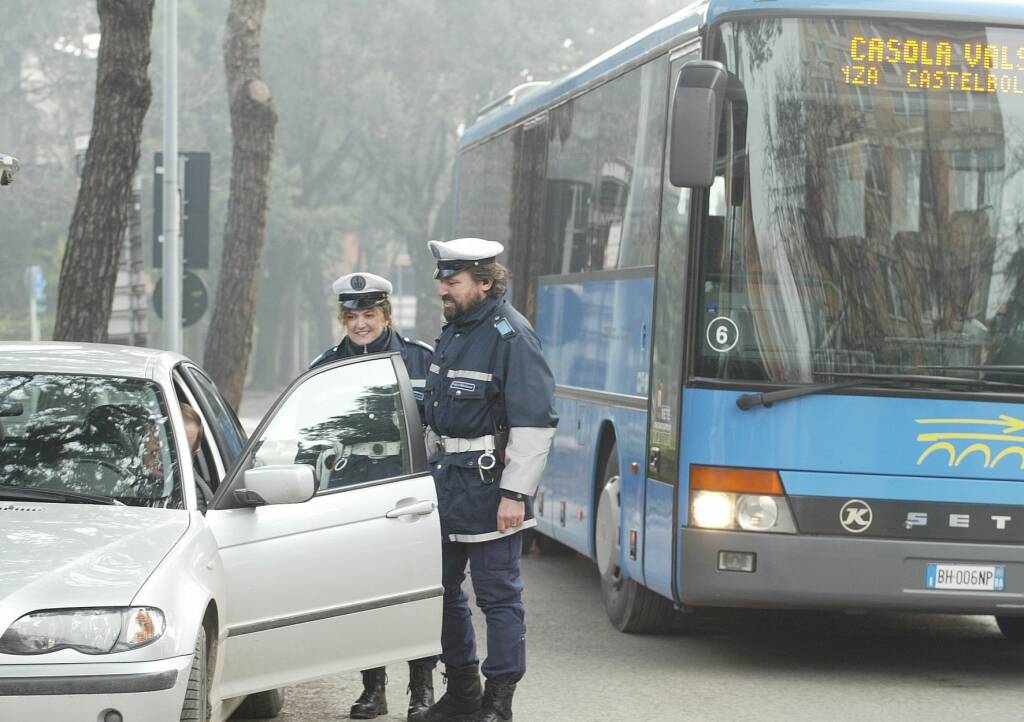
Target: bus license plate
[991, 578]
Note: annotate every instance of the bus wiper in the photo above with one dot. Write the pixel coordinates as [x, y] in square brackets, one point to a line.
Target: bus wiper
[1001, 369]
[11, 492]
[766, 399]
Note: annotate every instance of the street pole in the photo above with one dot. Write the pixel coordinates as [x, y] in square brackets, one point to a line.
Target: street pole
[171, 201]
[33, 314]
[33, 279]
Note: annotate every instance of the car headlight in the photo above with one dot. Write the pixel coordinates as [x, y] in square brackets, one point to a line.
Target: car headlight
[90, 631]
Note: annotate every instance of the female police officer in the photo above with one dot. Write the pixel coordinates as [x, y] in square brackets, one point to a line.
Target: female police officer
[365, 312]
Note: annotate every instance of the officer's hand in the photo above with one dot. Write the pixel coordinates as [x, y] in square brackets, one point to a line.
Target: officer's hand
[510, 514]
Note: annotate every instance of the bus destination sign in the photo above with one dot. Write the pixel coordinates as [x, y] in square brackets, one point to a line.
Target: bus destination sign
[937, 65]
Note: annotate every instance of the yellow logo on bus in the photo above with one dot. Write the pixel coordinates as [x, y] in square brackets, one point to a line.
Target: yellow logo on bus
[977, 443]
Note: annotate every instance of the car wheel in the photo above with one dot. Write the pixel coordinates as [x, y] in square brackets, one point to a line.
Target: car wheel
[196, 707]
[1012, 628]
[631, 607]
[262, 705]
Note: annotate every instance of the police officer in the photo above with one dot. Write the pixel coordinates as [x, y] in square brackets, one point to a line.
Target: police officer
[365, 314]
[488, 404]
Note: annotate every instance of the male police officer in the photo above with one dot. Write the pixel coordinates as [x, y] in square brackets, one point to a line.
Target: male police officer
[488, 404]
[365, 312]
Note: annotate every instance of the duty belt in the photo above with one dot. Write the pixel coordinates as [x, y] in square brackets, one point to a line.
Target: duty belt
[458, 446]
[374, 449]
[485, 462]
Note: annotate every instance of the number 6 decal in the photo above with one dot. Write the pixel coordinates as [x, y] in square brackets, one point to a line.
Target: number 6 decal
[723, 334]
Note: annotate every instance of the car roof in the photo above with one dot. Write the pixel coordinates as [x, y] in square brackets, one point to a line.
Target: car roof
[93, 359]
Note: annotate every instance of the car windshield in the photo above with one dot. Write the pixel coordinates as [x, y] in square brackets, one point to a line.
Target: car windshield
[868, 213]
[101, 436]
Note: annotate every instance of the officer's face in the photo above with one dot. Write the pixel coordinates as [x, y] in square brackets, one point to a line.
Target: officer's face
[460, 293]
[364, 325]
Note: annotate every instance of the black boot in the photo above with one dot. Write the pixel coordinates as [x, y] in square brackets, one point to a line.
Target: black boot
[372, 702]
[497, 703]
[421, 691]
[462, 700]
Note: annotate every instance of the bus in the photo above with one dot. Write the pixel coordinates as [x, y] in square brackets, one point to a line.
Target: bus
[774, 250]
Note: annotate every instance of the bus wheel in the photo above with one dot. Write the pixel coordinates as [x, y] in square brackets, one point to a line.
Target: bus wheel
[1012, 628]
[630, 607]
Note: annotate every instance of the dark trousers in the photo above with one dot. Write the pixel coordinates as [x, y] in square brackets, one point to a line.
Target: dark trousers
[427, 664]
[494, 572]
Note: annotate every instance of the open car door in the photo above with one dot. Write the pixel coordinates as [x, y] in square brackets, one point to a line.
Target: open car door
[329, 533]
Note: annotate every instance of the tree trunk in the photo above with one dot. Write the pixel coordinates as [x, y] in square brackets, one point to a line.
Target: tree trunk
[88, 273]
[253, 119]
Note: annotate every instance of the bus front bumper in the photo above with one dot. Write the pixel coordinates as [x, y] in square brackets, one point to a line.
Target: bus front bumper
[827, 572]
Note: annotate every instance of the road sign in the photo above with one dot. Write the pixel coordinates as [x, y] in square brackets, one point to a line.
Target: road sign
[195, 218]
[36, 282]
[194, 298]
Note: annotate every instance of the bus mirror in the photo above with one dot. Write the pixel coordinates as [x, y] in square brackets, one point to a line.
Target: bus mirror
[696, 117]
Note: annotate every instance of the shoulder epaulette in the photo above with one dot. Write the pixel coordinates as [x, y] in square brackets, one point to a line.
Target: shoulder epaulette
[415, 342]
[503, 327]
[325, 354]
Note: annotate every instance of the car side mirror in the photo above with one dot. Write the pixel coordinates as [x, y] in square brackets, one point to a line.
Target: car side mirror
[284, 484]
[8, 167]
[696, 117]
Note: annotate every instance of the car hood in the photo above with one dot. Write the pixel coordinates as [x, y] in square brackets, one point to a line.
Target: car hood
[80, 555]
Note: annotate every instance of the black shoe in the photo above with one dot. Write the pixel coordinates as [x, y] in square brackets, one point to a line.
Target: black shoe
[372, 702]
[421, 691]
[497, 703]
[462, 700]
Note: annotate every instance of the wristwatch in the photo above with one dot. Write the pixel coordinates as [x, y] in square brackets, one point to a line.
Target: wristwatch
[513, 495]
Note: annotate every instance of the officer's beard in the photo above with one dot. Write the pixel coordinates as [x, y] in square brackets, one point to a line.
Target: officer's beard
[454, 309]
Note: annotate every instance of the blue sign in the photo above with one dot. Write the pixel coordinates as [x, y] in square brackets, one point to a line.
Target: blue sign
[37, 282]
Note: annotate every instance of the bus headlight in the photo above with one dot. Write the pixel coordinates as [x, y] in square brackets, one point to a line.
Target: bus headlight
[731, 498]
[756, 513]
[713, 510]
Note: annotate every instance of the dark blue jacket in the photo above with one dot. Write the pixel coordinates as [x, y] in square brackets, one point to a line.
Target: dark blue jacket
[487, 375]
[415, 354]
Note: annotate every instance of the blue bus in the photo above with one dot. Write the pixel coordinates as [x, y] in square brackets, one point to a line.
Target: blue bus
[774, 250]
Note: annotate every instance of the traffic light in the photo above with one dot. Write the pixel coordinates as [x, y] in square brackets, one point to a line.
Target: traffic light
[195, 218]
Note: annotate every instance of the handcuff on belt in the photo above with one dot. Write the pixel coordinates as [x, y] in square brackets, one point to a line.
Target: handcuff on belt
[485, 462]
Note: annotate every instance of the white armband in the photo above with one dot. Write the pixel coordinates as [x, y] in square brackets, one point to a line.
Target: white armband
[525, 458]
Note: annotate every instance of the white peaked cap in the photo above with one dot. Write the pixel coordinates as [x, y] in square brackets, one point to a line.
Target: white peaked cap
[361, 290]
[465, 249]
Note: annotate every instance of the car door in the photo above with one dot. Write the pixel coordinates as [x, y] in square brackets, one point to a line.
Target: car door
[351, 578]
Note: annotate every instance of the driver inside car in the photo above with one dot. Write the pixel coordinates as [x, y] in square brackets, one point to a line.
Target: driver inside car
[194, 434]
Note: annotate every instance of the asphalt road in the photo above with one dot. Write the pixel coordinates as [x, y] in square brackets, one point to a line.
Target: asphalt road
[730, 666]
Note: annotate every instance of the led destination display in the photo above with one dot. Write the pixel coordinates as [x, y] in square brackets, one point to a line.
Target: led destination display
[936, 64]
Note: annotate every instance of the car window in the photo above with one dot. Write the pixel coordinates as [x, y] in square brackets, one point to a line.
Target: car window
[226, 420]
[104, 436]
[347, 423]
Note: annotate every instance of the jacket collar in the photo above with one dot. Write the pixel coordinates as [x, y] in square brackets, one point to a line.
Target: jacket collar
[479, 312]
[379, 344]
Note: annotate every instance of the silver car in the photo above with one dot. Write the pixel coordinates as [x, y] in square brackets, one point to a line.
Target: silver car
[144, 579]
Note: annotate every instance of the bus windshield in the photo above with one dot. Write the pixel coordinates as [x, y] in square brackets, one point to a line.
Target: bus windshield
[868, 215]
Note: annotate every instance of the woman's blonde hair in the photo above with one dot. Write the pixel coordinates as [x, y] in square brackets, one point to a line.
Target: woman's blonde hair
[384, 306]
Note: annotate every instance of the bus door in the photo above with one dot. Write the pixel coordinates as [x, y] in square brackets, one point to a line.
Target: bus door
[668, 351]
